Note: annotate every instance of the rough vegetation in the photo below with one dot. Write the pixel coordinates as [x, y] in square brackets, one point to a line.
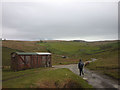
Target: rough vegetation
[43, 78]
[105, 51]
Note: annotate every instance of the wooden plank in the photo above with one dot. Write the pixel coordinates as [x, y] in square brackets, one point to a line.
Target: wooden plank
[37, 61]
[40, 61]
[23, 60]
[50, 61]
[31, 61]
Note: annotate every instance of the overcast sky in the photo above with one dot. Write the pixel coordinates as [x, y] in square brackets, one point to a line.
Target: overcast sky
[60, 20]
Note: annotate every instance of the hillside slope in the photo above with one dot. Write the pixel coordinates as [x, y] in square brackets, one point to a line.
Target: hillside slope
[105, 52]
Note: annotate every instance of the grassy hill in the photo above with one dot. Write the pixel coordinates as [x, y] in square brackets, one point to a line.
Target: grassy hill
[26, 46]
[105, 51]
[9, 46]
[6, 55]
[107, 62]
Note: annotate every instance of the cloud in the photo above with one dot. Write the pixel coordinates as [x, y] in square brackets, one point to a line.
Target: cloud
[63, 20]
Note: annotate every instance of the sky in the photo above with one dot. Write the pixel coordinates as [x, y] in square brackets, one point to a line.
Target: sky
[60, 20]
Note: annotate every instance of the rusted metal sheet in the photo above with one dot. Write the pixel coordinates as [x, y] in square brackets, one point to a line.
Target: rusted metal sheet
[20, 61]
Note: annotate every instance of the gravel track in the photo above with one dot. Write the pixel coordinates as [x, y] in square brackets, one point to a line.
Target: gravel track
[95, 79]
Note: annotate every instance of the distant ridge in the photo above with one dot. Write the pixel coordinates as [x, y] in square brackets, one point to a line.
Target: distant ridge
[61, 40]
[79, 41]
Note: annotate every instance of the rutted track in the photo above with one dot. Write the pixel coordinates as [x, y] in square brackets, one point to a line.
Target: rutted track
[95, 79]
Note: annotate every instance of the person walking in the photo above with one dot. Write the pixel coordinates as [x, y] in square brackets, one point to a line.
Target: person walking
[80, 66]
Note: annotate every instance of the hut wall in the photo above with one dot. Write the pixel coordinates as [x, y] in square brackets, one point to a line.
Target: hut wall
[20, 62]
[14, 62]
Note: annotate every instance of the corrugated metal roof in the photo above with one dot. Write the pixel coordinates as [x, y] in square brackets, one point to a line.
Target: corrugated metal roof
[33, 53]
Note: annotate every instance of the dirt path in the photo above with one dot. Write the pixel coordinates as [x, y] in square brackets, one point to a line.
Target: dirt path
[93, 78]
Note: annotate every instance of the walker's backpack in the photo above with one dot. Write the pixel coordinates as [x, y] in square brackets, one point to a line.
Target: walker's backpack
[81, 64]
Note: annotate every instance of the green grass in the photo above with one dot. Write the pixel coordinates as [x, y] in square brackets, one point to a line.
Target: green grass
[69, 48]
[77, 50]
[106, 53]
[73, 50]
[43, 78]
[107, 63]
[6, 55]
